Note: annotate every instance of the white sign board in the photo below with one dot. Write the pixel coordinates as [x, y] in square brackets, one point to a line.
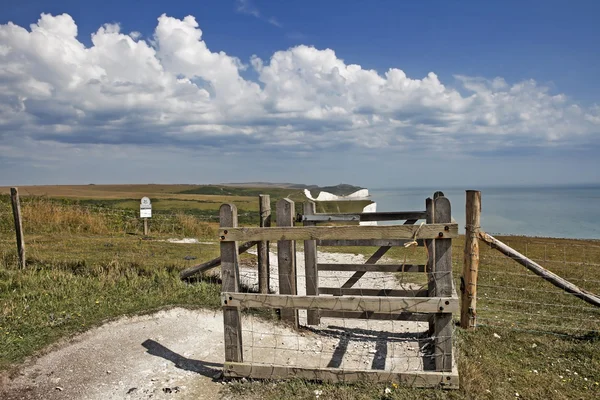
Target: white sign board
[145, 208]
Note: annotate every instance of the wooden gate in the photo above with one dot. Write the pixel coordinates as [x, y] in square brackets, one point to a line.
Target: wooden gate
[434, 304]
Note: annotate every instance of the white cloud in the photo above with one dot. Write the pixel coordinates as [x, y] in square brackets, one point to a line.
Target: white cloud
[174, 90]
[246, 7]
[273, 21]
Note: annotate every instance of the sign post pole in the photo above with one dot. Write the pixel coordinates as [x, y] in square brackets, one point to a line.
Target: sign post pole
[145, 212]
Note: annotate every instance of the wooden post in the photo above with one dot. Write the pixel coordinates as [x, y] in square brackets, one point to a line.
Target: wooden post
[430, 258]
[286, 257]
[145, 226]
[442, 275]
[232, 319]
[16, 207]
[468, 284]
[264, 273]
[310, 262]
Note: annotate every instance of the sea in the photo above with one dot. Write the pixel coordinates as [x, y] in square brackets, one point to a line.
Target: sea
[570, 211]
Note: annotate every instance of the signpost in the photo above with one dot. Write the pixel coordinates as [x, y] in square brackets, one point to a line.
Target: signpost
[145, 212]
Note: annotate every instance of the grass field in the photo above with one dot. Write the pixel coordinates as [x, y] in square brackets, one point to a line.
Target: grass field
[89, 263]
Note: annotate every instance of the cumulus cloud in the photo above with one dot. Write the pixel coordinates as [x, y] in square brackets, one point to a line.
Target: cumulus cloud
[172, 89]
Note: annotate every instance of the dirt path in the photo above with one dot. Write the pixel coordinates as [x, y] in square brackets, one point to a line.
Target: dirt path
[178, 353]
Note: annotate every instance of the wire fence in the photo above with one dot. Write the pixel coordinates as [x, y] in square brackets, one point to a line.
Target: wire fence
[510, 296]
[339, 341]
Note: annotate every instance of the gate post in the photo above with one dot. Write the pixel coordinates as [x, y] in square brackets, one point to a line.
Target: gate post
[286, 260]
[310, 262]
[264, 273]
[442, 280]
[230, 277]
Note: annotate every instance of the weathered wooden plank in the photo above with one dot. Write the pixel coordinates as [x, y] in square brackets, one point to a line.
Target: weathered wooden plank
[372, 267]
[445, 380]
[373, 292]
[232, 319]
[264, 270]
[372, 260]
[286, 258]
[404, 316]
[340, 232]
[215, 262]
[365, 217]
[16, 208]
[540, 271]
[430, 267]
[343, 303]
[310, 265]
[442, 287]
[468, 287]
[366, 242]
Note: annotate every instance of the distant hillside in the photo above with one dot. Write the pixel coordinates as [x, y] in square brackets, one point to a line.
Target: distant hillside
[276, 190]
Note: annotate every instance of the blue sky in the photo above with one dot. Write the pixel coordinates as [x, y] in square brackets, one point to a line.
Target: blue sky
[373, 93]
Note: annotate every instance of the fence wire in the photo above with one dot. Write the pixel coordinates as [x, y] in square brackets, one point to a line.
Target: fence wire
[509, 295]
[340, 342]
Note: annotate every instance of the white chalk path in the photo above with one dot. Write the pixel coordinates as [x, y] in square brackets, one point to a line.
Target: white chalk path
[179, 353]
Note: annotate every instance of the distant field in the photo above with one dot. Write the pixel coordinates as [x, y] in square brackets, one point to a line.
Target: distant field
[195, 199]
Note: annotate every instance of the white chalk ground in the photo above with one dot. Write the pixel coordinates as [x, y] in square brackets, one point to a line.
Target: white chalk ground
[178, 353]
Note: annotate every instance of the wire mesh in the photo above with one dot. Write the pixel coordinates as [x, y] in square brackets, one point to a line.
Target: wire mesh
[340, 341]
[511, 296]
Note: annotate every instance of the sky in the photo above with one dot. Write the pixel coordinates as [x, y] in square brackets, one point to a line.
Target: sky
[377, 94]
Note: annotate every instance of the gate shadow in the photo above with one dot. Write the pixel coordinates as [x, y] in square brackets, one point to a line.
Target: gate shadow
[205, 368]
[381, 340]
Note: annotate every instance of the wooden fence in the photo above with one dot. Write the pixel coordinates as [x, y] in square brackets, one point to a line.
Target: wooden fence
[434, 304]
[470, 274]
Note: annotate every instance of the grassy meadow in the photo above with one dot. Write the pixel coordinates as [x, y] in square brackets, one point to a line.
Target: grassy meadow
[89, 262]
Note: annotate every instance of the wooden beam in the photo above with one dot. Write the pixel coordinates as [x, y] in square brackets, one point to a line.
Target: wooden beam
[340, 232]
[445, 380]
[372, 267]
[16, 208]
[365, 217]
[215, 262]
[540, 271]
[264, 273]
[404, 316]
[372, 260]
[468, 286]
[442, 278]
[310, 265]
[232, 319]
[430, 253]
[374, 292]
[366, 242]
[342, 303]
[286, 259]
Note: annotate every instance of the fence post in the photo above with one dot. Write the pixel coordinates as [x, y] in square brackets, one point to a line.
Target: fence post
[310, 262]
[468, 284]
[442, 286]
[430, 258]
[231, 283]
[286, 257]
[263, 247]
[16, 208]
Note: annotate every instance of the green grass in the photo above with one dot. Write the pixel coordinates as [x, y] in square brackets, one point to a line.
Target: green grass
[73, 283]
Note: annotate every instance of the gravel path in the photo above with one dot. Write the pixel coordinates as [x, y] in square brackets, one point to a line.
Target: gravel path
[178, 353]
